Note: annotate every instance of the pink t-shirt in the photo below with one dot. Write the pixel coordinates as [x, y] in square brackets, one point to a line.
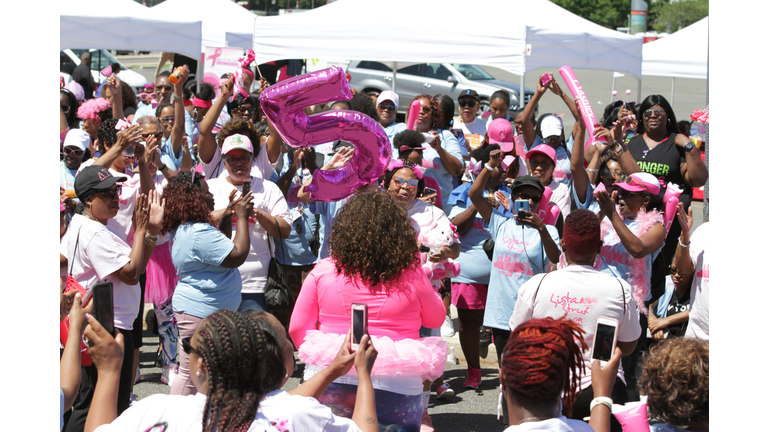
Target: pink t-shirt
[397, 310]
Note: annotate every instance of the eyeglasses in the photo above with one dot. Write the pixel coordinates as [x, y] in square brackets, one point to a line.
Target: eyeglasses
[242, 160]
[426, 110]
[187, 347]
[112, 193]
[412, 183]
[387, 107]
[552, 139]
[673, 271]
[654, 112]
[156, 135]
[543, 164]
[165, 87]
[467, 103]
[76, 152]
[244, 110]
[528, 197]
[167, 119]
[625, 193]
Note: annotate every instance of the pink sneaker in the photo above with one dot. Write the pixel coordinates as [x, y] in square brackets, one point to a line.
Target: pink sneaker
[426, 423]
[473, 378]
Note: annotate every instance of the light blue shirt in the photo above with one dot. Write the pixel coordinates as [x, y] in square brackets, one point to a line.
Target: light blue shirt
[518, 255]
[197, 251]
[436, 168]
[189, 123]
[590, 202]
[327, 211]
[475, 265]
[392, 130]
[295, 250]
[167, 156]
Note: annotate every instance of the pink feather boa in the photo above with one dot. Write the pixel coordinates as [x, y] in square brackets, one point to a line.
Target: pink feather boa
[640, 279]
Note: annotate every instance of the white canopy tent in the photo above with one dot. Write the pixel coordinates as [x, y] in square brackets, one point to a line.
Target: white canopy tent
[414, 31]
[124, 25]
[218, 17]
[682, 54]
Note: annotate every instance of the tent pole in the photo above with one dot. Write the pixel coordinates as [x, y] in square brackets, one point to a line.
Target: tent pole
[394, 77]
[707, 143]
[673, 93]
[613, 86]
[200, 71]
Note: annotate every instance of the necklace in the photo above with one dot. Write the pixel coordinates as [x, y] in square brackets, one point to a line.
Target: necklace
[648, 147]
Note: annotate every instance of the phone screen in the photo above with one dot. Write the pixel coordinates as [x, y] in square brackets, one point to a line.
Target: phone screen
[358, 325]
[246, 187]
[603, 343]
[103, 306]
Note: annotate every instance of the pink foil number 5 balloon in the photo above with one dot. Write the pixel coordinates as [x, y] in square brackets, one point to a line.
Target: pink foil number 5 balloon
[283, 104]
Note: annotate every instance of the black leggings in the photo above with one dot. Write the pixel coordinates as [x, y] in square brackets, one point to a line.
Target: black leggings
[88, 380]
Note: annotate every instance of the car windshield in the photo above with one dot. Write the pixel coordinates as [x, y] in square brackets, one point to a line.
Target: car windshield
[472, 72]
[99, 58]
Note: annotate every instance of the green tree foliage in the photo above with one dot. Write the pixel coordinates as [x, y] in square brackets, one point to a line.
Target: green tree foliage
[607, 13]
[671, 17]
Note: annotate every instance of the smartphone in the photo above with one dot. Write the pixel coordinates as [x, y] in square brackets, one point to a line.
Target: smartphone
[546, 79]
[104, 306]
[522, 205]
[246, 186]
[428, 192]
[359, 323]
[604, 341]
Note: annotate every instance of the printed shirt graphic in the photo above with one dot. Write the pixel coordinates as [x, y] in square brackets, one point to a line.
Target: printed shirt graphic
[663, 161]
[614, 258]
[517, 256]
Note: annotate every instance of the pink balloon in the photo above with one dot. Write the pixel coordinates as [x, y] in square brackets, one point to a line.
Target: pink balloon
[670, 204]
[581, 99]
[543, 206]
[283, 105]
[413, 114]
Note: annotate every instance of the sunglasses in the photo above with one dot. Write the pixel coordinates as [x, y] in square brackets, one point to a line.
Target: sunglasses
[76, 152]
[673, 271]
[654, 112]
[187, 347]
[543, 164]
[167, 119]
[412, 183]
[426, 110]
[165, 87]
[244, 111]
[529, 197]
[607, 171]
[620, 102]
[469, 103]
[387, 107]
[238, 160]
[625, 193]
[112, 193]
[147, 135]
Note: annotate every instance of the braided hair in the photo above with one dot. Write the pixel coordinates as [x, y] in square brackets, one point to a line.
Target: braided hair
[543, 357]
[244, 362]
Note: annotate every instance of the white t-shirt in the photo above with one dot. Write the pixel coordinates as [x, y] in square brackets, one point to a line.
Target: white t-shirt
[582, 294]
[561, 196]
[698, 320]
[185, 413]
[262, 168]
[101, 252]
[558, 424]
[268, 198]
[477, 126]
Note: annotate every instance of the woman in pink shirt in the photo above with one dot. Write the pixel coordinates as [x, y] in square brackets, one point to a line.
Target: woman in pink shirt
[373, 260]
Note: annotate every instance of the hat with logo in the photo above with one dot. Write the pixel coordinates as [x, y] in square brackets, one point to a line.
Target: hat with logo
[92, 179]
[551, 125]
[640, 182]
[500, 132]
[235, 142]
[544, 149]
[469, 93]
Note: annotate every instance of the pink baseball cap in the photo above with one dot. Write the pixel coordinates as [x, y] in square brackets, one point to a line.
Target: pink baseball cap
[236, 141]
[640, 182]
[500, 132]
[543, 149]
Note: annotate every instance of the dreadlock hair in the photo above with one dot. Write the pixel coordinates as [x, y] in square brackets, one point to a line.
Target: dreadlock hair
[406, 164]
[581, 234]
[184, 202]
[107, 134]
[244, 362]
[543, 358]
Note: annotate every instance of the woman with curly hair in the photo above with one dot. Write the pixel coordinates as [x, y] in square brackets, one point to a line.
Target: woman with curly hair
[129, 102]
[373, 261]
[443, 157]
[675, 377]
[540, 370]
[239, 362]
[205, 260]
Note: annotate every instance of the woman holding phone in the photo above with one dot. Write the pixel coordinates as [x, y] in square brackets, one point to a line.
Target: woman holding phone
[205, 259]
[95, 252]
[373, 261]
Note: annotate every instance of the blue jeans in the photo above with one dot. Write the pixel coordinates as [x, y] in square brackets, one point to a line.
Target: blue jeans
[253, 301]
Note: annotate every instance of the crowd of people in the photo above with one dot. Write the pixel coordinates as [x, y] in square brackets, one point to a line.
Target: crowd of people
[193, 205]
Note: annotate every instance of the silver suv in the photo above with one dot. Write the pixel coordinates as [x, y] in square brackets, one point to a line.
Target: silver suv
[372, 77]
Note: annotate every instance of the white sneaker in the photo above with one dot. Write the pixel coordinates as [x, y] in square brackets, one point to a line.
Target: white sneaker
[134, 398]
[138, 374]
[446, 330]
[172, 373]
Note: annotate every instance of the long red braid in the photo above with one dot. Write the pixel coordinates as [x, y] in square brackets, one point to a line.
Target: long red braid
[542, 358]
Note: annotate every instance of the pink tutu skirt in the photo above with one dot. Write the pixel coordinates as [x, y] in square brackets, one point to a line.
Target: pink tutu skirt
[407, 357]
[161, 275]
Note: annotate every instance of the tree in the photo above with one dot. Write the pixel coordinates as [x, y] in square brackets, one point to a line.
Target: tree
[607, 13]
[671, 17]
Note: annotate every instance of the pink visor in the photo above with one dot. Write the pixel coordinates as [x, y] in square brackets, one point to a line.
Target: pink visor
[640, 182]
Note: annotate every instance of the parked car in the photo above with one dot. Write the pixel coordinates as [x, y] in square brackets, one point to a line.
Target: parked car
[372, 77]
[70, 58]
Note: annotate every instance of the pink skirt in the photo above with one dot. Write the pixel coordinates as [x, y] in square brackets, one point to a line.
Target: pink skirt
[468, 296]
[161, 275]
[407, 357]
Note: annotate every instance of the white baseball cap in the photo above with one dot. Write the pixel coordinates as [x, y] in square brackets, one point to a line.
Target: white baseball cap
[388, 95]
[551, 125]
[77, 138]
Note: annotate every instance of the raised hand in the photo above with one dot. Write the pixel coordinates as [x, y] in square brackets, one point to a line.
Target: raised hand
[339, 159]
[502, 198]
[156, 212]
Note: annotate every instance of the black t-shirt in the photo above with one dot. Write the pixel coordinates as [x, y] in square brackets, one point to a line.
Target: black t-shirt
[675, 307]
[663, 161]
[82, 76]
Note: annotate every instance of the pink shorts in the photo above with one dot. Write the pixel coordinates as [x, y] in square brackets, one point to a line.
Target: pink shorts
[468, 296]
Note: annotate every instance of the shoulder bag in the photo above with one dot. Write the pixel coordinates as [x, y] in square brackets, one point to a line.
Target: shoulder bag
[277, 293]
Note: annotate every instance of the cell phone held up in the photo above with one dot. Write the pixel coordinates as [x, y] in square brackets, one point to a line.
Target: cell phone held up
[246, 186]
[104, 306]
[604, 341]
[359, 324]
[521, 205]
[428, 192]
